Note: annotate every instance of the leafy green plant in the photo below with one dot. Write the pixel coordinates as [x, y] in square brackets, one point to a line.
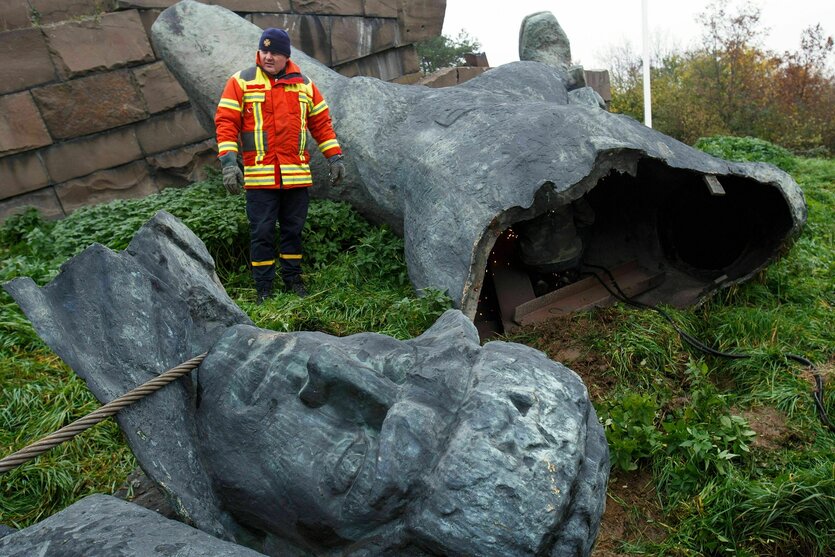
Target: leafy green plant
[16, 227]
[698, 439]
[34, 16]
[379, 255]
[747, 149]
[331, 228]
[702, 439]
[217, 218]
[629, 422]
[701, 450]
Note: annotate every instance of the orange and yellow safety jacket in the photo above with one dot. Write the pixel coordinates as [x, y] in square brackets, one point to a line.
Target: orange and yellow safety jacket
[270, 117]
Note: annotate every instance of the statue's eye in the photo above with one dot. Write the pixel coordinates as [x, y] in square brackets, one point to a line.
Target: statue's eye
[522, 401]
[351, 390]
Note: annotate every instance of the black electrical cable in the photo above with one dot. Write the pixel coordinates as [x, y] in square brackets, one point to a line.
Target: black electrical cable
[817, 394]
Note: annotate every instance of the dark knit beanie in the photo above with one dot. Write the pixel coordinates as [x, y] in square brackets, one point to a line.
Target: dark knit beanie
[276, 41]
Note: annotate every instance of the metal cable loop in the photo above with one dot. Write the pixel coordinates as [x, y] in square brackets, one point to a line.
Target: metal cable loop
[69, 431]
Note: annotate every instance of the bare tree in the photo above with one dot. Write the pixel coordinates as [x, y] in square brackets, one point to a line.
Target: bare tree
[732, 43]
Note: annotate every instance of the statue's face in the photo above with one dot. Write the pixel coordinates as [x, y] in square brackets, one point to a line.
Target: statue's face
[322, 441]
[307, 436]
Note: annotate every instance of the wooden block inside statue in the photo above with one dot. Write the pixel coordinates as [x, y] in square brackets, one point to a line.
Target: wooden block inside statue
[262, 120]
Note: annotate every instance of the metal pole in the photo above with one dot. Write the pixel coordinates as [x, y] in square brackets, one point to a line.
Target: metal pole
[647, 90]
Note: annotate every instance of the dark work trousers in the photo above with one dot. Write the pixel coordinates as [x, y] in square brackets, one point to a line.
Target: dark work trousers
[263, 209]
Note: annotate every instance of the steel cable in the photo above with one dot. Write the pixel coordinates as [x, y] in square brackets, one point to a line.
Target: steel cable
[69, 431]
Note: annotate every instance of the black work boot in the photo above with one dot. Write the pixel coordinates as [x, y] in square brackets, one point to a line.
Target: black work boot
[264, 292]
[296, 287]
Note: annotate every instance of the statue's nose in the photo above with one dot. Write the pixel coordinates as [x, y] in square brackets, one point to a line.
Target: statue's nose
[332, 368]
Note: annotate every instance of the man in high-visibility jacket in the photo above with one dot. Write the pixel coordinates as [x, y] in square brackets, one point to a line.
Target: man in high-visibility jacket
[268, 108]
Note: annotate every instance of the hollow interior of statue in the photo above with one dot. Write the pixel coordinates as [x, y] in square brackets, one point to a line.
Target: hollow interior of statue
[678, 233]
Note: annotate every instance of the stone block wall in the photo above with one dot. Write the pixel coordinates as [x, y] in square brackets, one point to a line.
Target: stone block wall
[88, 112]
[448, 77]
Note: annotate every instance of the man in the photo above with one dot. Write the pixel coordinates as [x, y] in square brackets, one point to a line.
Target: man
[269, 108]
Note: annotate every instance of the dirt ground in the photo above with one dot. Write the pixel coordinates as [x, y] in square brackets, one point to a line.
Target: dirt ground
[139, 489]
[562, 339]
[632, 513]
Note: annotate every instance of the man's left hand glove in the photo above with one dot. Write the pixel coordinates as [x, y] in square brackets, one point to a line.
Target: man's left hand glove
[336, 169]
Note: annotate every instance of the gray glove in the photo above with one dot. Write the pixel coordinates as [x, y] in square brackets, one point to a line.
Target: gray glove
[336, 169]
[233, 178]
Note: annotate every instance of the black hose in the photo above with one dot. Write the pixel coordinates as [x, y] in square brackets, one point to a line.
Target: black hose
[817, 394]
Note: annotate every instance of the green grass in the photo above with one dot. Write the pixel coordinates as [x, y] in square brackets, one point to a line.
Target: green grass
[670, 411]
[41, 395]
[748, 149]
[780, 503]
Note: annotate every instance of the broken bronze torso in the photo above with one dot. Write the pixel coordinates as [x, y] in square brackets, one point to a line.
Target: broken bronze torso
[456, 169]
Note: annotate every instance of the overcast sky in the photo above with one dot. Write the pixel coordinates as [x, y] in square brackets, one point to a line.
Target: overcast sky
[594, 26]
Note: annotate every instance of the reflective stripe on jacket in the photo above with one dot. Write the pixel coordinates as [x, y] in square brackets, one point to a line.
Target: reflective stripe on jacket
[269, 118]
